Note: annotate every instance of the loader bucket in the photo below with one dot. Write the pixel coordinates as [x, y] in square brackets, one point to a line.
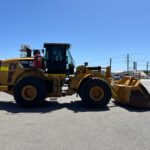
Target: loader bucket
[130, 91]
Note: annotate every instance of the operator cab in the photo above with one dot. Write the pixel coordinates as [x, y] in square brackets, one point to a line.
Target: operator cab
[58, 58]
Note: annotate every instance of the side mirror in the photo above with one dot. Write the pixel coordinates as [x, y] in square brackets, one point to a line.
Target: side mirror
[42, 51]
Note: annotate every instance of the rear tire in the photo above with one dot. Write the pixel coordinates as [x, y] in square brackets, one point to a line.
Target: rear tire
[95, 93]
[30, 92]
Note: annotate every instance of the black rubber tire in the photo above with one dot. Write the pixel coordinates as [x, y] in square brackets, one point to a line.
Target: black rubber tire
[80, 87]
[87, 99]
[40, 87]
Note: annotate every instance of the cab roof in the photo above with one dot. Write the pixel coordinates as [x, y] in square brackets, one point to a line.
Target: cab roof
[57, 44]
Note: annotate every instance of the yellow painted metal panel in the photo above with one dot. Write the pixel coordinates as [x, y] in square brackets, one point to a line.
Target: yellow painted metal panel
[3, 68]
[56, 75]
[4, 88]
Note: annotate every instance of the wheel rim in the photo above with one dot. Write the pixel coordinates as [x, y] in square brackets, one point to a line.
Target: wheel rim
[29, 93]
[96, 93]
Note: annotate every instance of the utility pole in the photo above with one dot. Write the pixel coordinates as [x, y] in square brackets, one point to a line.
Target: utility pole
[134, 68]
[147, 68]
[110, 62]
[128, 61]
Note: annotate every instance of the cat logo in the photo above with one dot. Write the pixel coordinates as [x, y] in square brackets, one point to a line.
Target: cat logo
[27, 63]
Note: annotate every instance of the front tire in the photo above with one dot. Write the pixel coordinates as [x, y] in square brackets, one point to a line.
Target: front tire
[96, 93]
[30, 92]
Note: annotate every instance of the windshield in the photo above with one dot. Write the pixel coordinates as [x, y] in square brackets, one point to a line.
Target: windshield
[70, 59]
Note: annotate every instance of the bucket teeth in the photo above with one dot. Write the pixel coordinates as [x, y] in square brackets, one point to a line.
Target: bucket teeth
[130, 91]
[140, 99]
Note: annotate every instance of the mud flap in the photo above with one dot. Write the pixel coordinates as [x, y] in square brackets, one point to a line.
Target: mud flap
[130, 91]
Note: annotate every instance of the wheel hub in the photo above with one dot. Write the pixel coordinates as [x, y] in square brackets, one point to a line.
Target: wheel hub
[96, 93]
[29, 93]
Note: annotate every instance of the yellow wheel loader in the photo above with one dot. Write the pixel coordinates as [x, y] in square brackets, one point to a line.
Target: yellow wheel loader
[30, 86]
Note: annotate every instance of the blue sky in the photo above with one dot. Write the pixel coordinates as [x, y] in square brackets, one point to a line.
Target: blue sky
[97, 29]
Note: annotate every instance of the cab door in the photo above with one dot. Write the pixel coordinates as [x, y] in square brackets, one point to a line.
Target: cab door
[56, 59]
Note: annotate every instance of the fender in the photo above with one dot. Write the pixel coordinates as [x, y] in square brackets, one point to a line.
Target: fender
[31, 72]
[82, 81]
